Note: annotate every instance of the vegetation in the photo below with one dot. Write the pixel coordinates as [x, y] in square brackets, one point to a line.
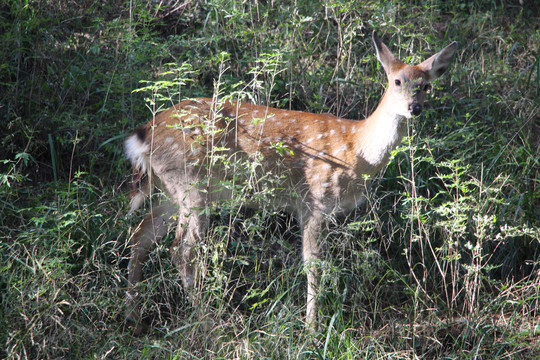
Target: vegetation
[443, 263]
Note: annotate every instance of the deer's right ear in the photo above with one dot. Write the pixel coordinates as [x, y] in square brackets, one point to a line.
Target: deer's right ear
[385, 56]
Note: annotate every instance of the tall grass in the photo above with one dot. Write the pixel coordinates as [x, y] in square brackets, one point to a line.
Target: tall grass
[441, 263]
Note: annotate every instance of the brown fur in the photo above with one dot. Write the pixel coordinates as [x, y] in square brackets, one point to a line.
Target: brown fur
[323, 167]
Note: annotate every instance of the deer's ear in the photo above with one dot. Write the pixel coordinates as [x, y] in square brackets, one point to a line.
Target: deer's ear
[436, 65]
[385, 56]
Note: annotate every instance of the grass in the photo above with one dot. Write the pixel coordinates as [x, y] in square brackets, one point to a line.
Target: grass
[441, 264]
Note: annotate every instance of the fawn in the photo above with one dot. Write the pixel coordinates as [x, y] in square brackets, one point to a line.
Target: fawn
[324, 169]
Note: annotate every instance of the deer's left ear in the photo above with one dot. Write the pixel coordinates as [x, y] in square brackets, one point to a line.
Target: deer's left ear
[436, 65]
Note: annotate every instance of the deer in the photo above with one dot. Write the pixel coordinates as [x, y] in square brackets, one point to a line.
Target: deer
[325, 169]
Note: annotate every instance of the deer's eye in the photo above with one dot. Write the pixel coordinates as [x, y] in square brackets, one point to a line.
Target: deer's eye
[427, 87]
[397, 82]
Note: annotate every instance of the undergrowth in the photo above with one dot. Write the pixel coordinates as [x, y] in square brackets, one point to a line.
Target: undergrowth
[441, 263]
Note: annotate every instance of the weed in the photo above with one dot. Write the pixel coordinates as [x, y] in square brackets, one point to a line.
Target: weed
[442, 262]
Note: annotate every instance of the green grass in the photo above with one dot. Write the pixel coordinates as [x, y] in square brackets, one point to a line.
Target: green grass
[442, 264]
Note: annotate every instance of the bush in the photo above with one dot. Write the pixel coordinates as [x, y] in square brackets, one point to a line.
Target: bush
[443, 263]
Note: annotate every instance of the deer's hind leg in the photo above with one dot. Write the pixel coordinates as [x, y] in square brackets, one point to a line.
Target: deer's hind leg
[192, 225]
[152, 229]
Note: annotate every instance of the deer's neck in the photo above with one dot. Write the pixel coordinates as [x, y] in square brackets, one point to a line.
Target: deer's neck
[383, 132]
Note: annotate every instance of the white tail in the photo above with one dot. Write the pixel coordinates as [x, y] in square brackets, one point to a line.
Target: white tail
[323, 170]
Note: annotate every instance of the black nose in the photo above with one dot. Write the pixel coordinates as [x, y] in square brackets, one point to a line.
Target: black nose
[416, 109]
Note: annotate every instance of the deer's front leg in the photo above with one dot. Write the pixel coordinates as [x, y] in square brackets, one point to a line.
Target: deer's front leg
[311, 228]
